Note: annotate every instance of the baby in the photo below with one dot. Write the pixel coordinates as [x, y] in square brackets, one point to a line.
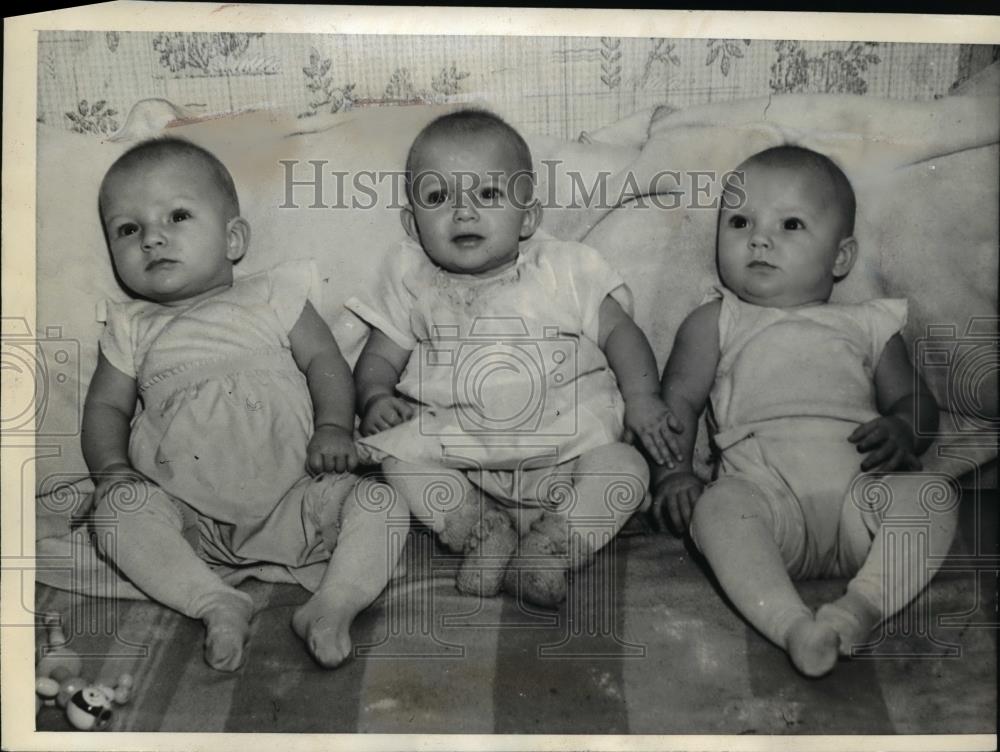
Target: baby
[798, 387]
[502, 370]
[241, 451]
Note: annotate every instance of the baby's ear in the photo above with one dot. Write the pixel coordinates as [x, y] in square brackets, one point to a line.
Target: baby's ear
[237, 238]
[532, 218]
[847, 254]
[409, 220]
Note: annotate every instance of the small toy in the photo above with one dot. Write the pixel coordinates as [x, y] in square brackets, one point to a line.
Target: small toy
[55, 663]
[123, 690]
[47, 688]
[89, 710]
[88, 705]
[106, 690]
[68, 688]
[57, 660]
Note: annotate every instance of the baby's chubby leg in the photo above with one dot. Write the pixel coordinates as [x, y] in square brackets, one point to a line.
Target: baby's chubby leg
[361, 565]
[734, 527]
[895, 531]
[584, 510]
[465, 519]
[149, 547]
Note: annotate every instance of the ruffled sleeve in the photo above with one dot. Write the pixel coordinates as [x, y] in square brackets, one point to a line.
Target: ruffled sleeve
[389, 308]
[290, 285]
[117, 343]
[590, 279]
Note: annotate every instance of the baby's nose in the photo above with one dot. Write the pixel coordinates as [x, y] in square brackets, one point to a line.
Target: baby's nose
[152, 238]
[464, 209]
[759, 241]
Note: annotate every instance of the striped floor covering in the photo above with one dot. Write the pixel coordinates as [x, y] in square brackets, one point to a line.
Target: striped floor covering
[646, 645]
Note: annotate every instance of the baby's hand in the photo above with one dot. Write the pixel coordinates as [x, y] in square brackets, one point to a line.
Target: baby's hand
[648, 418]
[383, 413]
[890, 442]
[678, 492]
[331, 450]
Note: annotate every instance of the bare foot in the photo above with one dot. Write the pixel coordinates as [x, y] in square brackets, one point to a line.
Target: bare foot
[487, 552]
[852, 618]
[227, 629]
[812, 646]
[324, 624]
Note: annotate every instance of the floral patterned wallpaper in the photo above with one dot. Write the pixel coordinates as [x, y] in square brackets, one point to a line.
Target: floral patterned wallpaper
[88, 81]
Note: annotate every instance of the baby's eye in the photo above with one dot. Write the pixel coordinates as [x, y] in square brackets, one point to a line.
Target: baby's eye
[738, 221]
[491, 194]
[126, 229]
[793, 224]
[434, 198]
[179, 215]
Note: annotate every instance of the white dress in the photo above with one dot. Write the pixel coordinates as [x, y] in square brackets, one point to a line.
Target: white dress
[507, 369]
[226, 417]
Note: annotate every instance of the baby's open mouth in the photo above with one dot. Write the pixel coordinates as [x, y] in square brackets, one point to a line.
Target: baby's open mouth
[467, 240]
[761, 265]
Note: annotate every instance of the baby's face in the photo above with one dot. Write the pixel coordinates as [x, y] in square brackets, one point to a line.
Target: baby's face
[168, 231]
[464, 211]
[785, 245]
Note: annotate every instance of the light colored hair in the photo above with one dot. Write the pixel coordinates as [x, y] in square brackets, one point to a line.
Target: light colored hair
[800, 158]
[469, 122]
[169, 148]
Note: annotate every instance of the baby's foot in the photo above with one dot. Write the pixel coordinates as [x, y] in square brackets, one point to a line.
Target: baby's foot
[852, 618]
[324, 624]
[812, 646]
[538, 574]
[227, 629]
[487, 552]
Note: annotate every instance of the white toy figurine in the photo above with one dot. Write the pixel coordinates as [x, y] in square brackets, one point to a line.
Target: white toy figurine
[89, 710]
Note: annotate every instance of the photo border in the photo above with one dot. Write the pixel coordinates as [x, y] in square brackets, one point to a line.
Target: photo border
[18, 284]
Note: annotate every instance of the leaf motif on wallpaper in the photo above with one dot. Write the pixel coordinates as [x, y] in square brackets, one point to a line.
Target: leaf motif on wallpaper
[448, 80]
[320, 83]
[661, 55]
[198, 54]
[402, 90]
[112, 39]
[835, 71]
[611, 55]
[96, 118]
[48, 63]
[400, 87]
[725, 50]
